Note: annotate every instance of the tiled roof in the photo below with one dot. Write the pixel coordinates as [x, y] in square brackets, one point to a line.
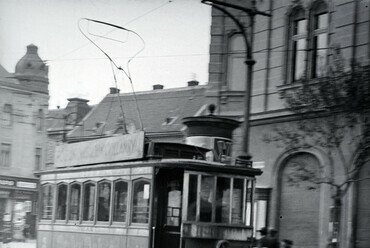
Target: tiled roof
[161, 111]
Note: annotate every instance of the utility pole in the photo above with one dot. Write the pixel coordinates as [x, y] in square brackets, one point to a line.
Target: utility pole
[245, 157]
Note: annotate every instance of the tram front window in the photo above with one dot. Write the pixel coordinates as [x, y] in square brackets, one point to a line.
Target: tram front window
[218, 199]
[237, 206]
[104, 189]
[223, 200]
[206, 198]
[89, 202]
[62, 202]
[192, 197]
[140, 212]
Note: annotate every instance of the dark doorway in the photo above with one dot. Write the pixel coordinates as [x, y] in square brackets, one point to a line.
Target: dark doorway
[169, 192]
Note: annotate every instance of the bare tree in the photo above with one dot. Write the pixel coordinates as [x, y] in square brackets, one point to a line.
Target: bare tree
[332, 115]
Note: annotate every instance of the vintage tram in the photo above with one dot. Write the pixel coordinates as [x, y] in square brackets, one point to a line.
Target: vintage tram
[124, 191]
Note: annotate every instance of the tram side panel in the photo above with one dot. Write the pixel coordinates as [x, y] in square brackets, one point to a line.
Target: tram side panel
[69, 223]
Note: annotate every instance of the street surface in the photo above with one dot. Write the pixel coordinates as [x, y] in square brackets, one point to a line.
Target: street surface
[26, 244]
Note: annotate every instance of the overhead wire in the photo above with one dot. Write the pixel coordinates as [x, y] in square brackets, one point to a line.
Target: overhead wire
[195, 54]
[127, 74]
[130, 21]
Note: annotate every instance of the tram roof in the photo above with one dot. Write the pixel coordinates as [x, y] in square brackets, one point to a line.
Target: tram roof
[169, 163]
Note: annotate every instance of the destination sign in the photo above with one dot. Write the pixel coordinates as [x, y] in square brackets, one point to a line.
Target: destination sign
[118, 148]
[7, 182]
[28, 185]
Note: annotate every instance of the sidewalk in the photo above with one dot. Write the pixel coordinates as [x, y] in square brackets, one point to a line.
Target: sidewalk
[31, 243]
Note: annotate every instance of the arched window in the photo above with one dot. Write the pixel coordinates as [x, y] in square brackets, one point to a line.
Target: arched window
[61, 213]
[319, 19]
[104, 195]
[140, 202]
[89, 189]
[74, 201]
[297, 44]
[120, 201]
[236, 68]
[47, 191]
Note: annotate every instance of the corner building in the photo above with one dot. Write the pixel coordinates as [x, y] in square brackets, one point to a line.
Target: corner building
[24, 100]
[298, 40]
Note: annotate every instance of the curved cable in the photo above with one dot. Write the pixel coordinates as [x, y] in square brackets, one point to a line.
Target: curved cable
[128, 74]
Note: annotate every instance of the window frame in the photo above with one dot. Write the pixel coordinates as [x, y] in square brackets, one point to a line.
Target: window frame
[70, 201]
[40, 123]
[317, 9]
[38, 158]
[216, 176]
[52, 192]
[6, 155]
[128, 205]
[234, 53]
[83, 202]
[97, 202]
[298, 13]
[7, 112]
[57, 202]
[138, 180]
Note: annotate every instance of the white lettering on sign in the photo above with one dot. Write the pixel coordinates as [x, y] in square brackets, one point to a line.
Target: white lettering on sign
[6, 182]
[28, 185]
[118, 148]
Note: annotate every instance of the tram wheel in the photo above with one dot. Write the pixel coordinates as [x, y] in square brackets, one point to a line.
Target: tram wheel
[222, 244]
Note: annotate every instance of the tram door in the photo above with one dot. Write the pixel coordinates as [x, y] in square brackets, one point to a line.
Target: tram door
[169, 188]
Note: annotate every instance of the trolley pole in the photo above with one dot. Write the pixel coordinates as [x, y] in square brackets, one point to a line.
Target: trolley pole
[244, 157]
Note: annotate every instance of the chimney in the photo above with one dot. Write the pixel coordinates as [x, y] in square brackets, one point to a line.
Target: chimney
[212, 132]
[193, 83]
[76, 109]
[114, 90]
[158, 87]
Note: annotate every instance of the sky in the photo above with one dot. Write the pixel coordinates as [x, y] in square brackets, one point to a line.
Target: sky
[175, 36]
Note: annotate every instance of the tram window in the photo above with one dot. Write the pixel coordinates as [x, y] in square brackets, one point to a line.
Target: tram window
[61, 202]
[104, 191]
[173, 204]
[120, 201]
[89, 201]
[74, 205]
[141, 193]
[47, 202]
[223, 200]
[192, 197]
[206, 198]
[237, 205]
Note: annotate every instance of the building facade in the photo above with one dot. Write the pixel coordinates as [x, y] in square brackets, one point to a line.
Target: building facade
[298, 41]
[24, 97]
[62, 120]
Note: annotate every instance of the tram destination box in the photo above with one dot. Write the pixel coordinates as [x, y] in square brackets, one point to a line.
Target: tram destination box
[105, 150]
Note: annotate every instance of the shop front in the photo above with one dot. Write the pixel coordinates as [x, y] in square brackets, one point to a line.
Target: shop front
[18, 199]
